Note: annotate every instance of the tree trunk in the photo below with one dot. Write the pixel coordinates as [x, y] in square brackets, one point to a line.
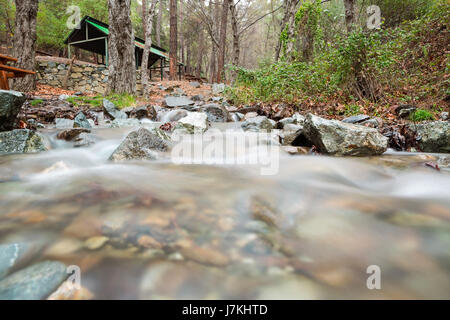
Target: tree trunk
[182, 47]
[121, 49]
[24, 43]
[212, 64]
[234, 26]
[222, 40]
[158, 23]
[173, 39]
[349, 14]
[200, 53]
[291, 31]
[148, 26]
[289, 16]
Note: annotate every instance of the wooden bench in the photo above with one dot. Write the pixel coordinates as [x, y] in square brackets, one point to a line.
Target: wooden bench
[8, 72]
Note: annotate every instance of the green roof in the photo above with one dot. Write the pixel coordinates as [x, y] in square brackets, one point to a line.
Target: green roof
[137, 43]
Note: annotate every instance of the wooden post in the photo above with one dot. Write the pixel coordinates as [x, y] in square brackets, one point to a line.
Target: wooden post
[106, 50]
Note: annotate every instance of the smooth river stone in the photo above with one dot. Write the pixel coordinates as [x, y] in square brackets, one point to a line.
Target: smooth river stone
[36, 282]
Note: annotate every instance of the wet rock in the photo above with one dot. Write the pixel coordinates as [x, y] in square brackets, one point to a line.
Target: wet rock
[143, 112]
[141, 144]
[296, 119]
[295, 150]
[258, 123]
[172, 116]
[95, 243]
[81, 121]
[250, 115]
[62, 123]
[236, 116]
[174, 102]
[356, 119]
[36, 282]
[70, 291]
[290, 133]
[433, 136]
[13, 254]
[71, 134]
[218, 88]
[195, 84]
[216, 113]
[194, 122]
[338, 138]
[444, 116]
[112, 111]
[21, 141]
[124, 123]
[34, 124]
[84, 140]
[205, 256]
[10, 104]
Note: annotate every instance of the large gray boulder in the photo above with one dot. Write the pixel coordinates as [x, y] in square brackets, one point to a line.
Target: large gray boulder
[21, 141]
[258, 124]
[216, 113]
[176, 102]
[36, 282]
[141, 144]
[111, 110]
[433, 136]
[343, 139]
[10, 104]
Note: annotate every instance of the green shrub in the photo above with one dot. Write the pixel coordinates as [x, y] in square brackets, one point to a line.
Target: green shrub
[421, 115]
[36, 102]
[120, 100]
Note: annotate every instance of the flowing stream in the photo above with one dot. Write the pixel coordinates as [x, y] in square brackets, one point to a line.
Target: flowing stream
[159, 230]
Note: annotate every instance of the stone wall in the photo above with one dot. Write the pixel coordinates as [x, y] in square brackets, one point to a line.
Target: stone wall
[85, 77]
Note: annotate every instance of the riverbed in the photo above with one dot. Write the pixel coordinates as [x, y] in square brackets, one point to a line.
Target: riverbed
[160, 230]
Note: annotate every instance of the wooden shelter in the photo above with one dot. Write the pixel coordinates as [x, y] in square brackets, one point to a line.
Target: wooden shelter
[92, 35]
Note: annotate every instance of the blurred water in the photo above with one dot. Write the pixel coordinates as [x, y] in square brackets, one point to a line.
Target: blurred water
[156, 230]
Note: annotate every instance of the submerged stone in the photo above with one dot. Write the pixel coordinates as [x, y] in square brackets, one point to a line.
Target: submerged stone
[36, 282]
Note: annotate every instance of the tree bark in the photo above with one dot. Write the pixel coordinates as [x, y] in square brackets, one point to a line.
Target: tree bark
[349, 14]
[158, 23]
[148, 26]
[234, 27]
[24, 43]
[173, 39]
[288, 19]
[121, 49]
[222, 40]
[200, 53]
